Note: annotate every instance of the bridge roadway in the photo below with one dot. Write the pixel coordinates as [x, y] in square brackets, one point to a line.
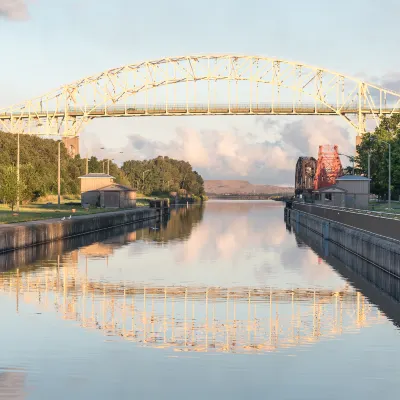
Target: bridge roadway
[93, 111]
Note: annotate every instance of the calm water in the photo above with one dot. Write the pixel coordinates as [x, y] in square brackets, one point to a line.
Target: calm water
[219, 302]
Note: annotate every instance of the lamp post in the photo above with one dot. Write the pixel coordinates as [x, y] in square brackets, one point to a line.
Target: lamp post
[59, 175]
[18, 185]
[108, 161]
[351, 158]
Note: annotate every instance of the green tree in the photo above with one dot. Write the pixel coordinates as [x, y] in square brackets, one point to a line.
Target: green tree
[9, 189]
[388, 131]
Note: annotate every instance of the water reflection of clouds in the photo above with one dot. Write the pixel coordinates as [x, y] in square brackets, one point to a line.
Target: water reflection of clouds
[222, 236]
[233, 243]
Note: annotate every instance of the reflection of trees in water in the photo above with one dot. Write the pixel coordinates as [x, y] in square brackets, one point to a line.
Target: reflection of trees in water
[180, 224]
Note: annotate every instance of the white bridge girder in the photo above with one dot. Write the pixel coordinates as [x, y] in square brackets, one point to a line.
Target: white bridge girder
[202, 85]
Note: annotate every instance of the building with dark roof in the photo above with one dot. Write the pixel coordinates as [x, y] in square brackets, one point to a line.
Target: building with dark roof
[99, 190]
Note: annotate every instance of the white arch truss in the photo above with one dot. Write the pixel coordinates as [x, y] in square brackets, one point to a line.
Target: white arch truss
[202, 85]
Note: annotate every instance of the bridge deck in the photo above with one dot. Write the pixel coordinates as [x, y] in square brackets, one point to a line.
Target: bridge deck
[198, 109]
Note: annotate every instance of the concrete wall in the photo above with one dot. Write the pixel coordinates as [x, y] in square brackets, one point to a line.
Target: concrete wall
[386, 227]
[49, 251]
[381, 251]
[17, 236]
[363, 275]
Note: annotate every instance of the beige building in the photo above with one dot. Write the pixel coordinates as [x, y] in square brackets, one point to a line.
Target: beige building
[95, 181]
[112, 195]
[117, 196]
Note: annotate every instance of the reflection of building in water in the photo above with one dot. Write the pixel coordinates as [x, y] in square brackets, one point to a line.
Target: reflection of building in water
[195, 318]
[106, 248]
[12, 385]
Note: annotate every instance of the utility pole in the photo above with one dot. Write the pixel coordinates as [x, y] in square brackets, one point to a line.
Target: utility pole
[87, 164]
[390, 178]
[108, 166]
[369, 165]
[18, 185]
[59, 174]
[369, 175]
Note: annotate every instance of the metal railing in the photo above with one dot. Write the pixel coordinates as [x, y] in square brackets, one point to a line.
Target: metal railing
[201, 108]
[380, 214]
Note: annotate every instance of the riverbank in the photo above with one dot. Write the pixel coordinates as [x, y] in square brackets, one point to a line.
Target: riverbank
[22, 235]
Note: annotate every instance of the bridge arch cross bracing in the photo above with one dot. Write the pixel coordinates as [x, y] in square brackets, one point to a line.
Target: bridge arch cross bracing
[222, 84]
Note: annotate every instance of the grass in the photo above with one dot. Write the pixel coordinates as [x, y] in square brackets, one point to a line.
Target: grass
[35, 212]
[383, 207]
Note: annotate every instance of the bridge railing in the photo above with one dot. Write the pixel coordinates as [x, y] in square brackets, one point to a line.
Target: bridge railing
[381, 214]
[203, 108]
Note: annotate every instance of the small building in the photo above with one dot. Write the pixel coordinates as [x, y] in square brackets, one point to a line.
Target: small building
[331, 195]
[99, 190]
[117, 196]
[95, 181]
[357, 190]
[350, 191]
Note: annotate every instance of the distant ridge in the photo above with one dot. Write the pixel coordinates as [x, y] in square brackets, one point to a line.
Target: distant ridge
[219, 187]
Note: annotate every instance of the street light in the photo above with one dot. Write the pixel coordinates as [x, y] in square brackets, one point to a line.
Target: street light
[18, 185]
[147, 170]
[351, 158]
[108, 161]
[390, 170]
[59, 174]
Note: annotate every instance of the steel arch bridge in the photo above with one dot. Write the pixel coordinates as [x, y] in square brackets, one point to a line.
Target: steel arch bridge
[202, 85]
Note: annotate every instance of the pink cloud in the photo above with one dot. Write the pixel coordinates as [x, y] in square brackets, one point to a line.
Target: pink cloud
[13, 9]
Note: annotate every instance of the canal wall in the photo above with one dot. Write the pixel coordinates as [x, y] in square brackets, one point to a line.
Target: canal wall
[378, 286]
[372, 222]
[382, 252]
[27, 257]
[27, 234]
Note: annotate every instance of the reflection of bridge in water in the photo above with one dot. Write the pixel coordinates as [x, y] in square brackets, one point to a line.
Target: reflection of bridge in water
[193, 318]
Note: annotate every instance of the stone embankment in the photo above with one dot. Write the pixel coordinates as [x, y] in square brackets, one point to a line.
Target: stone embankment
[18, 236]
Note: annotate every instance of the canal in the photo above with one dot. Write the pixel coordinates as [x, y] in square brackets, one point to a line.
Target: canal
[221, 301]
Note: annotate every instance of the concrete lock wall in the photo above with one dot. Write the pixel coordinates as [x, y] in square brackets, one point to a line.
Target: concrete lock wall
[27, 234]
[381, 251]
[386, 227]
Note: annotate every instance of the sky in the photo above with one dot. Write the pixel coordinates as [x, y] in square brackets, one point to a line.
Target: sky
[48, 43]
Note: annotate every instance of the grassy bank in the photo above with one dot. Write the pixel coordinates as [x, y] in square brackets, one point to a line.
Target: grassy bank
[35, 212]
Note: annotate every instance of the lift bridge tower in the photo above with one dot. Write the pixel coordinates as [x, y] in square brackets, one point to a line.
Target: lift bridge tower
[305, 173]
[329, 166]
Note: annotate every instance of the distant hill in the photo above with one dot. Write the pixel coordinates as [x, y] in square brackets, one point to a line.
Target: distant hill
[217, 187]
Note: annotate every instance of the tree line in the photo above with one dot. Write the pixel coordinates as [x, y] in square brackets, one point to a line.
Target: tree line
[39, 169]
[163, 175]
[375, 146]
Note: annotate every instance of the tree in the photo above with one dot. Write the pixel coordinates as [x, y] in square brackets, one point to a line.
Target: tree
[9, 189]
[388, 131]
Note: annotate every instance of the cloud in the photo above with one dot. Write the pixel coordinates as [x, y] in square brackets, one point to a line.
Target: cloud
[13, 9]
[232, 154]
[391, 81]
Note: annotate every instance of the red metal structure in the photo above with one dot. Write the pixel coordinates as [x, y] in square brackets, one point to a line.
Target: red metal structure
[329, 166]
